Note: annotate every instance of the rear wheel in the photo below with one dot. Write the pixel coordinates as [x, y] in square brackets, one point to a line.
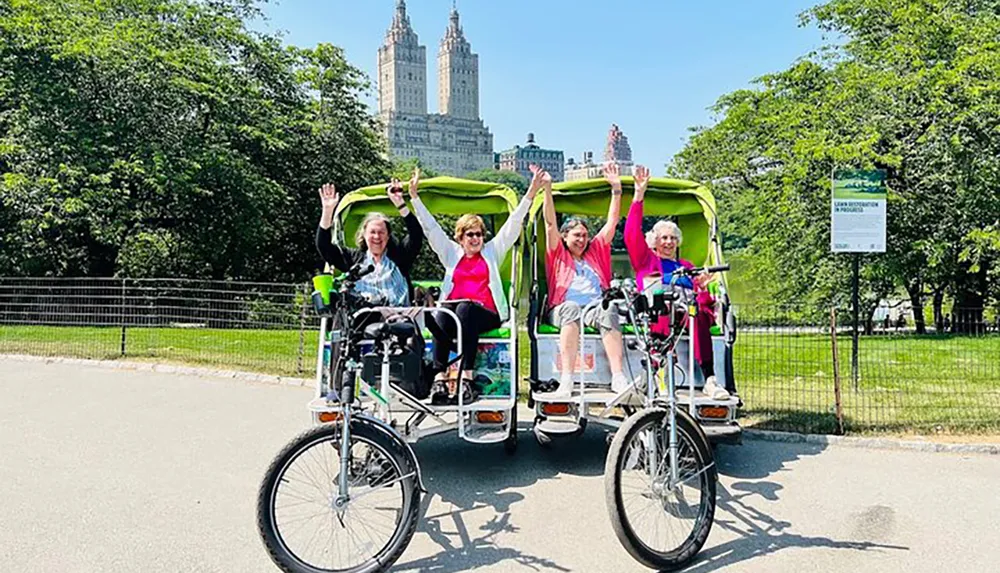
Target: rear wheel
[662, 525]
[306, 530]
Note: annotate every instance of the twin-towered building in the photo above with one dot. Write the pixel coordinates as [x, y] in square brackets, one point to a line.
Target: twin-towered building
[453, 141]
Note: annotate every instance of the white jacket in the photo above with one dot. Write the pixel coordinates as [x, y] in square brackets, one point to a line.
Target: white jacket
[450, 253]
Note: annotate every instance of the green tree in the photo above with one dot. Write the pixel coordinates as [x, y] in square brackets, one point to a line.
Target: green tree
[147, 137]
[511, 179]
[912, 89]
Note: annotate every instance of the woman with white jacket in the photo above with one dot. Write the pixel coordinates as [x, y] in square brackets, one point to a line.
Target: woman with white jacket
[471, 276]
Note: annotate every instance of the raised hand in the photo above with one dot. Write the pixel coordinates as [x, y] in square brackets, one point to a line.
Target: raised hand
[328, 197]
[613, 175]
[395, 192]
[537, 179]
[414, 182]
[702, 279]
[641, 182]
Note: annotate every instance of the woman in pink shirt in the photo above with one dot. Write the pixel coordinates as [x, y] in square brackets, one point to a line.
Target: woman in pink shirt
[655, 256]
[579, 270]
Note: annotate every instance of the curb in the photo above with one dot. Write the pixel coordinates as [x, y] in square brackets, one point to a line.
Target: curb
[166, 369]
[749, 434]
[871, 443]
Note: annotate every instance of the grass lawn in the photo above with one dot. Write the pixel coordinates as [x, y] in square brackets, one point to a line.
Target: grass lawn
[786, 380]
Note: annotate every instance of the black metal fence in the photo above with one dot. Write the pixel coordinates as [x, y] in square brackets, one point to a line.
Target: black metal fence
[264, 327]
[795, 369]
[789, 362]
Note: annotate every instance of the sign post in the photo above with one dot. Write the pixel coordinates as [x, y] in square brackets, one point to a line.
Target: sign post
[857, 216]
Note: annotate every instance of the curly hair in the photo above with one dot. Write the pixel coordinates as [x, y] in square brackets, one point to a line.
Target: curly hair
[660, 226]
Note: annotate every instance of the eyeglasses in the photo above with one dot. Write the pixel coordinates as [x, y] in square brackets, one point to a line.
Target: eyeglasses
[473, 234]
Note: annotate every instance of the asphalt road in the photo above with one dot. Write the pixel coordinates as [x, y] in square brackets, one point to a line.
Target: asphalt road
[107, 471]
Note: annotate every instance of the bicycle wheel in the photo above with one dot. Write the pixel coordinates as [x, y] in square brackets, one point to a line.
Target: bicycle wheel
[661, 527]
[296, 517]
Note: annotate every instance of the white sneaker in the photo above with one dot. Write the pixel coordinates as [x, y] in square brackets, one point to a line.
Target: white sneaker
[565, 389]
[619, 383]
[714, 391]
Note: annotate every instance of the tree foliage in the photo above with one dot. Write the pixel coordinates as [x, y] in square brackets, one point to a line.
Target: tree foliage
[913, 88]
[165, 137]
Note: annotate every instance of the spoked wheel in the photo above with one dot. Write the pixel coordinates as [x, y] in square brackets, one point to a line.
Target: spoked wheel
[307, 529]
[662, 525]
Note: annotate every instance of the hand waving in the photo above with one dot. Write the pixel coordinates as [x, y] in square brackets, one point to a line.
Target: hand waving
[641, 182]
[537, 179]
[414, 182]
[328, 197]
[395, 192]
[612, 175]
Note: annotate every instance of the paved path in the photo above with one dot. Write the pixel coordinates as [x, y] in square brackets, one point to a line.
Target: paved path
[107, 471]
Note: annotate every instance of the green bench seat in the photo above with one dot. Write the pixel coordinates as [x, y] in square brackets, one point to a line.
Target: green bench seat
[627, 329]
[502, 332]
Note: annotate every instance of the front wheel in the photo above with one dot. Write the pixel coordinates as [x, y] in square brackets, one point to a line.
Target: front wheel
[307, 527]
[661, 524]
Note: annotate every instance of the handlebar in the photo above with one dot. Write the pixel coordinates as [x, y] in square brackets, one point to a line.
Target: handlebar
[685, 272]
[358, 271]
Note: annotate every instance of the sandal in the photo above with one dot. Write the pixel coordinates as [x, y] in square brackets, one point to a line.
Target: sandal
[469, 391]
[439, 392]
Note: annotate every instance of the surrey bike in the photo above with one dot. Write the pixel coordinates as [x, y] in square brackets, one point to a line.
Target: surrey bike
[660, 475]
[344, 495]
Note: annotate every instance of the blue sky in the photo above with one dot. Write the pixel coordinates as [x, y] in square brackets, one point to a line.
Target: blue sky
[566, 70]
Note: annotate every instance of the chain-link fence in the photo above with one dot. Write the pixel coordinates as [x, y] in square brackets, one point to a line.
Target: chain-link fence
[785, 366]
[264, 327]
[790, 363]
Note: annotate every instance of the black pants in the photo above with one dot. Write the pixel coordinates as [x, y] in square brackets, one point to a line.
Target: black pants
[475, 321]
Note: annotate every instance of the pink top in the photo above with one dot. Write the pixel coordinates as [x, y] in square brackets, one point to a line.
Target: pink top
[561, 268]
[645, 261]
[471, 280]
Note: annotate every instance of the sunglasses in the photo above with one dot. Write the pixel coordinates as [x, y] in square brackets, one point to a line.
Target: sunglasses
[473, 234]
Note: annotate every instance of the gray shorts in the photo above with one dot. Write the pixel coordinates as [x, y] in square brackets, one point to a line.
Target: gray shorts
[596, 317]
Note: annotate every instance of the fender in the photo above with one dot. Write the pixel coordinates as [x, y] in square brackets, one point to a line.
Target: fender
[699, 432]
[380, 426]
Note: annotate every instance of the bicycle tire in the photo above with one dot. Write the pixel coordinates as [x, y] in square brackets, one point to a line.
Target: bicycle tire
[394, 451]
[687, 430]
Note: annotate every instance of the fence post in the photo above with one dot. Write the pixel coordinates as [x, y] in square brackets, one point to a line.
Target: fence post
[836, 371]
[122, 317]
[302, 328]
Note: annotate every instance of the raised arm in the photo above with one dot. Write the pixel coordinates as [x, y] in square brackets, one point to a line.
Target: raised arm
[511, 230]
[440, 243]
[409, 246]
[335, 255]
[635, 240]
[611, 173]
[552, 236]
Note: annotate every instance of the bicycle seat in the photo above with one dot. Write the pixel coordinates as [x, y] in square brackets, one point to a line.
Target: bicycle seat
[398, 329]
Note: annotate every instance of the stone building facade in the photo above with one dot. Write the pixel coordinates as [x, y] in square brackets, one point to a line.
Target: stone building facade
[519, 158]
[454, 141]
[616, 148]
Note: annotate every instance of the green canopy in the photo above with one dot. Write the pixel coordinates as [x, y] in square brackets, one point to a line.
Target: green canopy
[441, 196]
[689, 203]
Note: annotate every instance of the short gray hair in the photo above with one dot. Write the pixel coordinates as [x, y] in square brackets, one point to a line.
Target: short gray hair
[571, 223]
[664, 225]
[359, 236]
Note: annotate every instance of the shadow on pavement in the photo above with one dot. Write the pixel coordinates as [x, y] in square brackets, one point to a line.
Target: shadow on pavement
[472, 476]
[759, 534]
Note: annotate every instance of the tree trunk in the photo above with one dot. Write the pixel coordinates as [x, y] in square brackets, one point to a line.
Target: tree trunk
[937, 303]
[967, 315]
[917, 302]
